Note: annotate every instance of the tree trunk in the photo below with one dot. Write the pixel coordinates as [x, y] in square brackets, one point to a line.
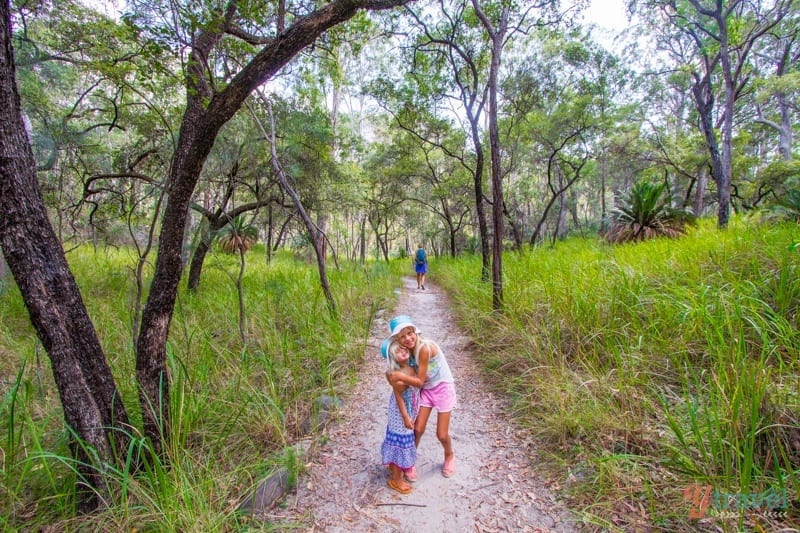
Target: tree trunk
[198, 258]
[206, 112]
[700, 193]
[785, 144]
[497, 36]
[516, 232]
[92, 407]
[381, 241]
[268, 244]
[363, 244]
[726, 178]
[561, 226]
[480, 211]
[282, 232]
[704, 101]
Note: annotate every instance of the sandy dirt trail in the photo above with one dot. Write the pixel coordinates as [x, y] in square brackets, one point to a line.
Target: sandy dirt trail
[344, 487]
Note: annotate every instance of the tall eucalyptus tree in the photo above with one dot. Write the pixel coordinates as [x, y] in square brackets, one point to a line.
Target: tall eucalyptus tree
[497, 28]
[500, 23]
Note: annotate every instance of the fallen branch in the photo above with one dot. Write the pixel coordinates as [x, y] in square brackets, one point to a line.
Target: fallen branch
[401, 503]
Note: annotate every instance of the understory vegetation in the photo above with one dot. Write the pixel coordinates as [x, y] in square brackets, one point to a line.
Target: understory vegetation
[660, 377]
[237, 409]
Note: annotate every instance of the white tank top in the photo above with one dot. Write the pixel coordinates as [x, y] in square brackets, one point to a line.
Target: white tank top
[438, 369]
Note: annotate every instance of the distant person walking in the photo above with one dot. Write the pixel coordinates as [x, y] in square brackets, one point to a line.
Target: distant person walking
[421, 266]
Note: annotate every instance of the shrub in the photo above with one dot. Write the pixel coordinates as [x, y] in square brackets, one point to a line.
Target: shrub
[236, 236]
[645, 212]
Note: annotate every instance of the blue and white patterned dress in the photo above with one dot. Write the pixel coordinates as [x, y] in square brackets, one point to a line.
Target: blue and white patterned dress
[398, 445]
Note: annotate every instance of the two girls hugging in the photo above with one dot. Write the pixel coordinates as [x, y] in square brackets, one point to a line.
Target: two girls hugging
[421, 381]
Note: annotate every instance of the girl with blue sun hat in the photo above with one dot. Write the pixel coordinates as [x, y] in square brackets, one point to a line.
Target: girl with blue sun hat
[399, 450]
[436, 384]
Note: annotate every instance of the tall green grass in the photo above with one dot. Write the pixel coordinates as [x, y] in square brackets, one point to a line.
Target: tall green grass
[643, 370]
[647, 368]
[236, 408]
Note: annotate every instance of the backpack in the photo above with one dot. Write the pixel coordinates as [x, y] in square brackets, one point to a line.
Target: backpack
[420, 257]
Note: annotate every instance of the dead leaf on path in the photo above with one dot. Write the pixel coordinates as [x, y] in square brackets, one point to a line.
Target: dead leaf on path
[483, 528]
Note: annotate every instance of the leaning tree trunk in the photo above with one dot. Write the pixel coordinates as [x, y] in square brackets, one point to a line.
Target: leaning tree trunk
[199, 257]
[93, 411]
[315, 234]
[206, 112]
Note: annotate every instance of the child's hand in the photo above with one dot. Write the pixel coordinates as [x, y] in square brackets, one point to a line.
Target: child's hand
[408, 422]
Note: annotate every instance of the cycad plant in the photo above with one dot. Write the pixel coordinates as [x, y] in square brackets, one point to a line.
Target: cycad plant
[645, 212]
[788, 208]
[237, 236]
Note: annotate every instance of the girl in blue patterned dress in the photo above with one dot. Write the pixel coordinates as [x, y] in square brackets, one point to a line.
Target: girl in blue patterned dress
[398, 451]
[436, 383]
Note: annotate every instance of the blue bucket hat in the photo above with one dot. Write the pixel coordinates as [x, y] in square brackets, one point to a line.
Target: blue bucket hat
[385, 347]
[399, 323]
[385, 352]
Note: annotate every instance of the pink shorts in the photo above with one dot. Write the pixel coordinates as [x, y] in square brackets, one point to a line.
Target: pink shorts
[442, 397]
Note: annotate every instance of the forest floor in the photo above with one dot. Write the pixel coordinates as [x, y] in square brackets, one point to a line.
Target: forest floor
[343, 487]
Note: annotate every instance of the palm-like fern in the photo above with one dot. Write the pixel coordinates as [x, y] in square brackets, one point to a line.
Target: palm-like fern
[645, 212]
[788, 208]
[237, 236]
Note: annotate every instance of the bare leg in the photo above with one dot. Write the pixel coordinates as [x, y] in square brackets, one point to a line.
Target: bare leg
[422, 421]
[443, 433]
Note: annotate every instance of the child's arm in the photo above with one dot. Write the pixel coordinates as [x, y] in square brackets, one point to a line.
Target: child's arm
[401, 404]
[422, 370]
